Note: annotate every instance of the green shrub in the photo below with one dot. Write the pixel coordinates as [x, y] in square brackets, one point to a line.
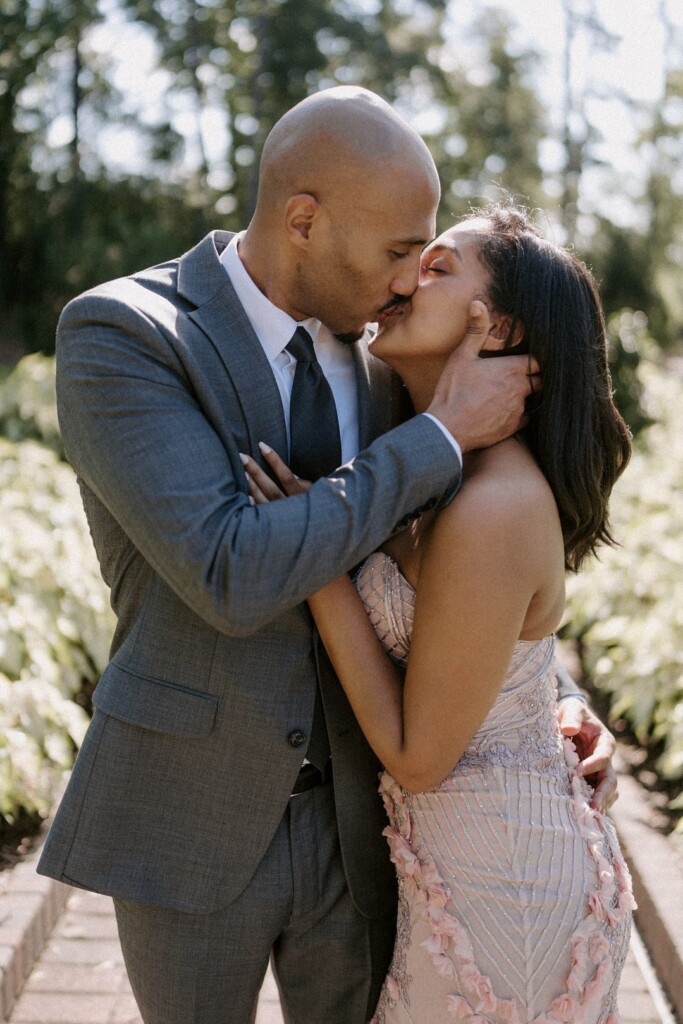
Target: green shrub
[55, 622]
[27, 402]
[627, 608]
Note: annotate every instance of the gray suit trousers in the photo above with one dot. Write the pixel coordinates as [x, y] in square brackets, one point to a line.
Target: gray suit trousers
[329, 961]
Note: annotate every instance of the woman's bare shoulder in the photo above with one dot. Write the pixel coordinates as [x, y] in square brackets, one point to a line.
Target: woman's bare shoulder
[505, 495]
[507, 469]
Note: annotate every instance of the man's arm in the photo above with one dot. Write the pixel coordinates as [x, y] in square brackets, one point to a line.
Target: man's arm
[566, 686]
[137, 435]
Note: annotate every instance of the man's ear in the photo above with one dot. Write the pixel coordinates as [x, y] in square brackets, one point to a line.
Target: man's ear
[300, 212]
[499, 338]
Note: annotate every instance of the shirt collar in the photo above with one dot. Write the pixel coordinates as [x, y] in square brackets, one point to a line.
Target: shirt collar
[274, 328]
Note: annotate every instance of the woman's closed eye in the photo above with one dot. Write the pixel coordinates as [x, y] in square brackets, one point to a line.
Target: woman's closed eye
[434, 267]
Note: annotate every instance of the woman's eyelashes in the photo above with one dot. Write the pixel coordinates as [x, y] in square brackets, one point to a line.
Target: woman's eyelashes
[434, 267]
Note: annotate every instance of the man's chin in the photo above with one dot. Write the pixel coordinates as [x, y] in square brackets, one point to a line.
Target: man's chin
[350, 337]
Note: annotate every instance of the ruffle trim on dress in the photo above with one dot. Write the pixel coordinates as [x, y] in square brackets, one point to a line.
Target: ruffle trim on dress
[449, 946]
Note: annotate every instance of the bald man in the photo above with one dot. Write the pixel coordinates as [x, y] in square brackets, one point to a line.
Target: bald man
[193, 801]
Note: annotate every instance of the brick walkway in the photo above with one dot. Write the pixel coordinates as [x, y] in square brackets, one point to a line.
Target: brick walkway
[80, 977]
[61, 963]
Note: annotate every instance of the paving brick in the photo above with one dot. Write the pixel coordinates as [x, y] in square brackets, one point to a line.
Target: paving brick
[269, 1011]
[631, 978]
[81, 901]
[55, 1008]
[74, 951]
[125, 1010]
[638, 1008]
[80, 977]
[65, 978]
[658, 887]
[25, 879]
[87, 926]
[269, 987]
[21, 923]
[7, 981]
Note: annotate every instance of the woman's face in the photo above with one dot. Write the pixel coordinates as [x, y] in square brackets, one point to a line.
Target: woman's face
[435, 320]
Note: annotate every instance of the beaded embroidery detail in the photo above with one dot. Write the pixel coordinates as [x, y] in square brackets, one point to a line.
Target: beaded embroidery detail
[598, 944]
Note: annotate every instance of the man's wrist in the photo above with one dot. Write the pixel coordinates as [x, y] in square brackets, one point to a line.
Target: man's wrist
[447, 434]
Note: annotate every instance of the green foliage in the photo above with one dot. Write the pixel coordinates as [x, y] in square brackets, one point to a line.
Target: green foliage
[623, 264]
[256, 60]
[626, 609]
[27, 402]
[232, 68]
[55, 623]
[55, 620]
[494, 124]
[40, 81]
[629, 341]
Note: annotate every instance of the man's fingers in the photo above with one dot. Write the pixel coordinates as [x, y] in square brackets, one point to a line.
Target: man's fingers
[599, 761]
[597, 755]
[571, 715]
[605, 792]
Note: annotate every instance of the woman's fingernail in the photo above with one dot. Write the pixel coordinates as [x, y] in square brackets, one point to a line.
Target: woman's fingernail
[266, 449]
[244, 459]
[252, 501]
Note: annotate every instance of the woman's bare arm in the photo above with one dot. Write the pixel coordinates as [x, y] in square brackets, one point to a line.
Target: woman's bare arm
[469, 612]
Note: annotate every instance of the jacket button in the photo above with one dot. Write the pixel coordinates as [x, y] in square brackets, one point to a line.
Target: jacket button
[296, 738]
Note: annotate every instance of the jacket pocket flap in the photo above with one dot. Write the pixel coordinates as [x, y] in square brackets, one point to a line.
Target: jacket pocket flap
[154, 703]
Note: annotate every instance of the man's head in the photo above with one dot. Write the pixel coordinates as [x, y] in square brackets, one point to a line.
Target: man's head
[347, 199]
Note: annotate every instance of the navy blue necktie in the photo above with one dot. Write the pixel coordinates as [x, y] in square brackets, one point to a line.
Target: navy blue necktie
[315, 450]
[315, 444]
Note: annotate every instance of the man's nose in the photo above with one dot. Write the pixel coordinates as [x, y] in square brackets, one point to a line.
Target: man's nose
[406, 279]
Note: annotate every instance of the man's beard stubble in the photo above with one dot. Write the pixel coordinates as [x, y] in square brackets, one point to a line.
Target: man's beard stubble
[350, 338]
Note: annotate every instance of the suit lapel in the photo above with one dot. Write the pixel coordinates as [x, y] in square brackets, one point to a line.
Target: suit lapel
[203, 280]
[374, 398]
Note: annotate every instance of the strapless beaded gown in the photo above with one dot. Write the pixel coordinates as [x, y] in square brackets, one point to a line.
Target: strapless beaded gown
[514, 899]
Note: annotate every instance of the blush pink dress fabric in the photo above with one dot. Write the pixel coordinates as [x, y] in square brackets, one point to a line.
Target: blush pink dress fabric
[514, 899]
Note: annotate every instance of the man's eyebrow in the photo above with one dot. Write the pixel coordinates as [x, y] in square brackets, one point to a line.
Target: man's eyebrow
[412, 242]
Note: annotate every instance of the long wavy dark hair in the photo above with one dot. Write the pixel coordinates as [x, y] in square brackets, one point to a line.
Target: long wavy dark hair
[574, 431]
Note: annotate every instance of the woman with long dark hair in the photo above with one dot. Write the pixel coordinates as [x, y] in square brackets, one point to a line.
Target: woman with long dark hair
[515, 901]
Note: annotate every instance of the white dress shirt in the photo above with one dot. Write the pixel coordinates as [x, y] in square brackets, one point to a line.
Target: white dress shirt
[274, 329]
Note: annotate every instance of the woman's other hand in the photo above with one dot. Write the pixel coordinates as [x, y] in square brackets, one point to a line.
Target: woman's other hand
[262, 488]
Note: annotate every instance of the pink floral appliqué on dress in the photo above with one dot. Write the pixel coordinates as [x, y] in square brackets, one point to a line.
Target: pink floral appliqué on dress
[514, 899]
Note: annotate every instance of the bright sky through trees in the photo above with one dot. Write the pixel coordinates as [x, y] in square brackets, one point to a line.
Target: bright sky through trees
[630, 71]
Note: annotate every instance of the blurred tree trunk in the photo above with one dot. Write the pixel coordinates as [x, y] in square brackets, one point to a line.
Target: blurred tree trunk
[573, 145]
[76, 176]
[582, 26]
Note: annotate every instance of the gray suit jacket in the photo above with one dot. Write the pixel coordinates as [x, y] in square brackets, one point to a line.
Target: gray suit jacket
[187, 765]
